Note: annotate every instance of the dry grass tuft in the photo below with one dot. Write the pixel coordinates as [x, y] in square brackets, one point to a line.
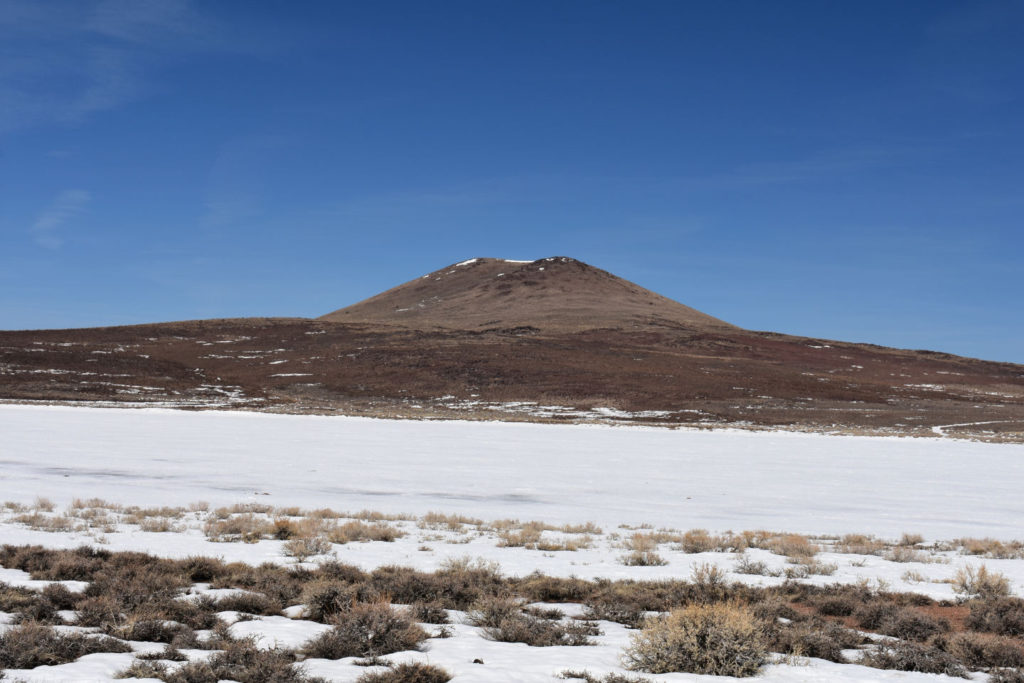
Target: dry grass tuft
[440, 520]
[970, 581]
[304, 548]
[246, 527]
[860, 544]
[351, 532]
[989, 547]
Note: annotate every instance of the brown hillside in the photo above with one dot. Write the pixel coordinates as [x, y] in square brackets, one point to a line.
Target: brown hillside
[551, 294]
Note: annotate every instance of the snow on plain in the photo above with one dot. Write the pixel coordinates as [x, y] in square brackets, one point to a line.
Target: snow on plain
[719, 480]
[682, 479]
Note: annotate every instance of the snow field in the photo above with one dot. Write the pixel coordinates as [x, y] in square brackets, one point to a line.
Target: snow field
[646, 479]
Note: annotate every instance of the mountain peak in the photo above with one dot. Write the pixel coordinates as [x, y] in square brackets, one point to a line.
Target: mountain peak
[557, 293]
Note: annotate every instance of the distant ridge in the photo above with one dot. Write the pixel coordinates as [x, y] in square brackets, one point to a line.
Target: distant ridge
[551, 340]
[558, 293]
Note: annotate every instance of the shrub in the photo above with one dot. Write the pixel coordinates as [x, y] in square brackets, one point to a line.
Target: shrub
[540, 588]
[339, 571]
[807, 566]
[429, 613]
[643, 558]
[720, 640]
[366, 630]
[304, 548]
[408, 673]
[282, 585]
[99, 611]
[360, 531]
[248, 603]
[697, 541]
[982, 651]
[980, 582]
[608, 678]
[1006, 676]
[745, 565]
[989, 547]
[247, 527]
[135, 579]
[906, 554]
[839, 606]
[324, 599]
[903, 656]
[503, 620]
[794, 546]
[1003, 616]
[30, 645]
[910, 624]
[875, 613]
[908, 540]
[860, 544]
[240, 661]
[155, 631]
[60, 597]
[201, 569]
[820, 639]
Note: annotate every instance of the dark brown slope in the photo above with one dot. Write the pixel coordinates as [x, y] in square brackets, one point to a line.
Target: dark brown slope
[650, 358]
[551, 294]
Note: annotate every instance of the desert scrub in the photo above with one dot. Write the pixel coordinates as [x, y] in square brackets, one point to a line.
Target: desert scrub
[366, 630]
[413, 672]
[722, 639]
[30, 645]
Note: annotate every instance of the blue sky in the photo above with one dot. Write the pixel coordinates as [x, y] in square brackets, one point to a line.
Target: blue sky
[843, 170]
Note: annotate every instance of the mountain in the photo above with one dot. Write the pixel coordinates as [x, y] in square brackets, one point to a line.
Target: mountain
[548, 340]
[551, 294]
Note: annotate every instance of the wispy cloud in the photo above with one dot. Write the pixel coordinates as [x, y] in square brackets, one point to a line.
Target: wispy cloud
[64, 207]
[64, 62]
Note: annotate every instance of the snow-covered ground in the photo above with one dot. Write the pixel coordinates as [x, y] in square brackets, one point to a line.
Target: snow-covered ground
[644, 478]
[723, 479]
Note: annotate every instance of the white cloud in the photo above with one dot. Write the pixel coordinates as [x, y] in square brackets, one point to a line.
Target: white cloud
[64, 207]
